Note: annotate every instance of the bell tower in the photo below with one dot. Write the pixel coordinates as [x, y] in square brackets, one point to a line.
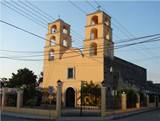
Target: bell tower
[58, 40]
[98, 35]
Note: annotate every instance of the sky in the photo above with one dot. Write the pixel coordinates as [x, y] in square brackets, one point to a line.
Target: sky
[129, 19]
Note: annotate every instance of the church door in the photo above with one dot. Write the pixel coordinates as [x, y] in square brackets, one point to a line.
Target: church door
[70, 97]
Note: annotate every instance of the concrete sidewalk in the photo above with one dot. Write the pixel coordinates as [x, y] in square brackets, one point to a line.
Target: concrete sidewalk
[72, 118]
[27, 116]
[107, 118]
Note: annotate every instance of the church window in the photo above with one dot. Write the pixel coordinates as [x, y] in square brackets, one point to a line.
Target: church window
[65, 31]
[93, 34]
[52, 40]
[70, 73]
[107, 21]
[93, 49]
[94, 20]
[51, 54]
[64, 43]
[54, 29]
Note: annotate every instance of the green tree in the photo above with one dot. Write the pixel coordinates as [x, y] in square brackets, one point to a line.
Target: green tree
[23, 77]
[3, 82]
[90, 94]
[40, 79]
[26, 80]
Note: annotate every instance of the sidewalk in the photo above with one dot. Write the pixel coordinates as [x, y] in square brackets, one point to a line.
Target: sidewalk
[112, 117]
[27, 116]
[107, 118]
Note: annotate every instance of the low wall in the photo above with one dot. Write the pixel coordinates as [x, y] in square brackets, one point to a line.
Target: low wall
[39, 112]
[152, 105]
[10, 109]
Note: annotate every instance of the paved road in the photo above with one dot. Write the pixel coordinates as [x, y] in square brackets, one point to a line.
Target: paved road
[11, 118]
[149, 116]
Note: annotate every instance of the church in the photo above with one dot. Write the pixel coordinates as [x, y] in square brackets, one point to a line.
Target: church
[95, 61]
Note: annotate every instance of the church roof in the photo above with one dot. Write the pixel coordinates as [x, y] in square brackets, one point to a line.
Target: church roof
[99, 11]
[59, 20]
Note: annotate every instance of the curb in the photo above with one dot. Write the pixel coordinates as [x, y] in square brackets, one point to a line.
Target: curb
[134, 113]
[43, 118]
[27, 116]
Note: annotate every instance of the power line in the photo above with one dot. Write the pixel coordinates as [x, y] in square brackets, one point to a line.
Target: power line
[23, 30]
[48, 16]
[37, 10]
[23, 10]
[118, 47]
[137, 38]
[76, 6]
[60, 45]
[85, 49]
[44, 13]
[30, 16]
[31, 11]
[124, 28]
[35, 52]
[90, 4]
[132, 39]
[24, 15]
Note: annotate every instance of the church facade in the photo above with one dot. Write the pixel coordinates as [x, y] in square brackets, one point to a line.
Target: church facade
[93, 62]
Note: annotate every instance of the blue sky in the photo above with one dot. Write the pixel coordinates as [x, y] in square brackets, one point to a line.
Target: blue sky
[139, 18]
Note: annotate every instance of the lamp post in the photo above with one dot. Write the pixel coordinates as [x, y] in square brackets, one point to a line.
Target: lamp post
[103, 99]
[58, 101]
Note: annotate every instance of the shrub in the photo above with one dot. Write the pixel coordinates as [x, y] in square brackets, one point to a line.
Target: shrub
[31, 102]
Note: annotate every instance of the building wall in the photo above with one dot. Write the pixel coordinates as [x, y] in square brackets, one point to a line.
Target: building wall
[130, 72]
[86, 68]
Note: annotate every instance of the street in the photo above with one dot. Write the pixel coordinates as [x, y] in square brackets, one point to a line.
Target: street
[11, 118]
[149, 116]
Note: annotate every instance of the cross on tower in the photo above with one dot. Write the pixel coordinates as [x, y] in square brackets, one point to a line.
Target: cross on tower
[99, 7]
[59, 16]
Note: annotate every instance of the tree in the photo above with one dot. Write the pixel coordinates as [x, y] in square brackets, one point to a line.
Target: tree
[90, 94]
[26, 80]
[23, 77]
[40, 79]
[3, 82]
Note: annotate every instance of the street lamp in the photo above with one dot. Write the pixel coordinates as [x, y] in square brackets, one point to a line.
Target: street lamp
[103, 83]
[59, 83]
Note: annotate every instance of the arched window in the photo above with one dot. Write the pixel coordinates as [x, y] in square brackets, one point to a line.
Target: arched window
[54, 29]
[52, 40]
[108, 33]
[93, 49]
[51, 54]
[65, 30]
[107, 21]
[64, 43]
[94, 20]
[93, 34]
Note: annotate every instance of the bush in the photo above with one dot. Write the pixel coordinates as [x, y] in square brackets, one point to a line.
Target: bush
[31, 102]
[11, 100]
